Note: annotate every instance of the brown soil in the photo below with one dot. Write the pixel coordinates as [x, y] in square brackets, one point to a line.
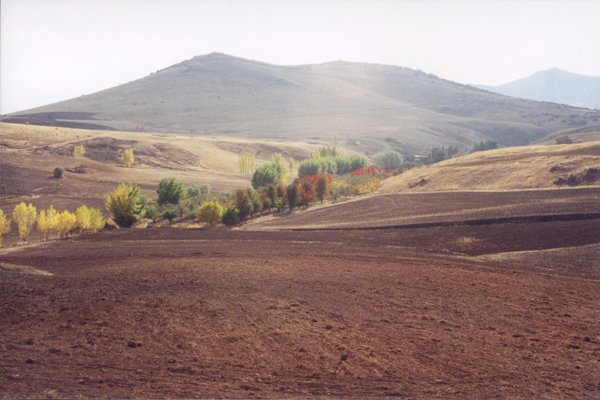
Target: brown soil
[226, 313]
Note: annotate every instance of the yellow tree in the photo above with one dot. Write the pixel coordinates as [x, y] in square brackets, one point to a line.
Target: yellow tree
[282, 166]
[84, 219]
[210, 213]
[66, 221]
[127, 157]
[46, 221]
[78, 151]
[97, 221]
[4, 225]
[246, 163]
[25, 216]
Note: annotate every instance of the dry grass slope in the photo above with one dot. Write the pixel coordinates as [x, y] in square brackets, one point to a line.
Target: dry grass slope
[502, 169]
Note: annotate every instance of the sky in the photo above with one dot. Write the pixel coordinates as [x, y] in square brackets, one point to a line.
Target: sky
[52, 50]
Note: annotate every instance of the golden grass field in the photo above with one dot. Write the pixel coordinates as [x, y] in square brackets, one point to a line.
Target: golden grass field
[525, 167]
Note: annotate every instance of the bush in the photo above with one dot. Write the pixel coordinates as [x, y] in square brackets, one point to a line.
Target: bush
[46, 221]
[65, 222]
[210, 213]
[307, 194]
[389, 160]
[243, 203]
[256, 202]
[25, 216]
[58, 172]
[198, 191]
[126, 204]
[266, 174]
[328, 165]
[357, 162]
[4, 225]
[151, 212]
[292, 193]
[231, 216]
[309, 167]
[127, 157]
[322, 186]
[169, 213]
[78, 151]
[170, 191]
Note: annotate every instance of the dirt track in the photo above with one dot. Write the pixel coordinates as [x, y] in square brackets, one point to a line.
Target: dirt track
[227, 313]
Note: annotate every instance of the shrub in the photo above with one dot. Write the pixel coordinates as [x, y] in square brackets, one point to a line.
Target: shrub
[170, 191]
[267, 203]
[307, 194]
[25, 216]
[279, 162]
[151, 212]
[328, 165]
[357, 162]
[280, 204]
[309, 167]
[4, 225]
[46, 221]
[292, 193]
[127, 157]
[343, 165]
[367, 187]
[58, 172]
[65, 222]
[322, 186]
[169, 213]
[126, 204]
[210, 213]
[243, 203]
[255, 200]
[389, 160]
[198, 191]
[78, 151]
[231, 216]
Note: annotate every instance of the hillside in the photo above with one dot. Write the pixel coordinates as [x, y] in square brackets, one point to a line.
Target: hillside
[556, 86]
[369, 107]
[503, 169]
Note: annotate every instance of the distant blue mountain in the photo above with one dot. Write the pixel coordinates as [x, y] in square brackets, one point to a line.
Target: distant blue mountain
[554, 85]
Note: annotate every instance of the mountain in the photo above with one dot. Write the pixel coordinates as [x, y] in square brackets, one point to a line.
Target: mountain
[369, 107]
[556, 86]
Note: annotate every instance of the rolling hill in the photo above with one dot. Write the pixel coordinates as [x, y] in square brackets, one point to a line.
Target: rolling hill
[556, 86]
[369, 107]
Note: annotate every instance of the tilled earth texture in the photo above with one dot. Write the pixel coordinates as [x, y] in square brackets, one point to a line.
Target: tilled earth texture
[502, 310]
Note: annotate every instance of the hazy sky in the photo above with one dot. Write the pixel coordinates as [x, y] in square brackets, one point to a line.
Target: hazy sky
[52, 50]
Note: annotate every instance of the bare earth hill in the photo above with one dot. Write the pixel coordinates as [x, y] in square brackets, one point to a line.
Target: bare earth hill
[372, 106]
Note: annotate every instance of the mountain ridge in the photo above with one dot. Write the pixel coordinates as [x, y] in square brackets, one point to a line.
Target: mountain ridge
[553, 85]
[373, 107]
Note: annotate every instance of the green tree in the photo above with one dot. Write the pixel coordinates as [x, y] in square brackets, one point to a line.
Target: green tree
[210, 213]
[389, 160]
[309, 167]
[126, 203]
[266, 174]
[170, 191]
[231, 216]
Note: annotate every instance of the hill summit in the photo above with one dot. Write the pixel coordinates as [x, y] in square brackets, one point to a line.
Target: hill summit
[370, 106]
[554, 85]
